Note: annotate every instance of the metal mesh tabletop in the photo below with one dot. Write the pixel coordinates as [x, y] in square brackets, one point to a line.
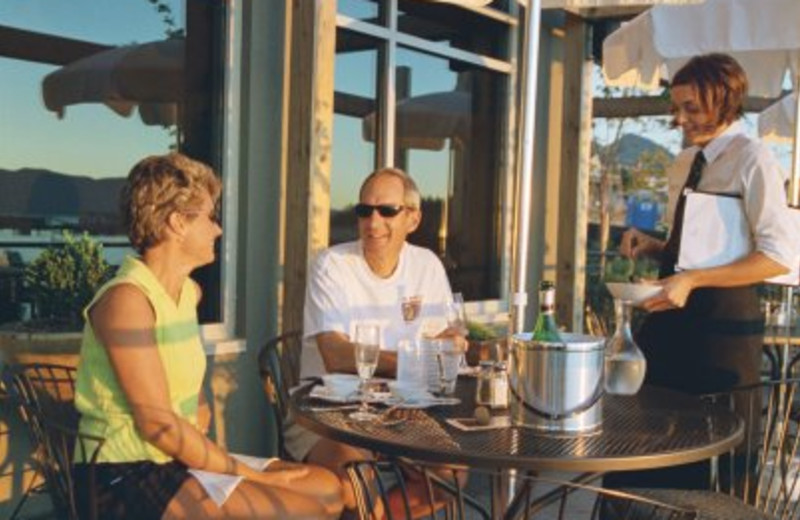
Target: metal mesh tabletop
[655, 428]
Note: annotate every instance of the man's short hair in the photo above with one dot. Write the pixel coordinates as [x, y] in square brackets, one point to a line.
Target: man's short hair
[721, 84]
[411, 196]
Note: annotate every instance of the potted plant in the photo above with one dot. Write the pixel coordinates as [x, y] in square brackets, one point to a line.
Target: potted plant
[59, 283]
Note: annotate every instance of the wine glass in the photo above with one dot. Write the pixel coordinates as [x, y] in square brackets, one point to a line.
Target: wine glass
[456, 314]
[448, 360]
[367, 350]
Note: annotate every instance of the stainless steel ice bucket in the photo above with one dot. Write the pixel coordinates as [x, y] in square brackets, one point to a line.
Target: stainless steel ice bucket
[557, 386]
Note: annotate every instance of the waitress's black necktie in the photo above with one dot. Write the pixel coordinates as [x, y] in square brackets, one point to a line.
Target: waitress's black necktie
[669, 256]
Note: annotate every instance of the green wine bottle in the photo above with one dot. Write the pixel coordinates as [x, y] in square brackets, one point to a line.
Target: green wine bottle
[546, 328]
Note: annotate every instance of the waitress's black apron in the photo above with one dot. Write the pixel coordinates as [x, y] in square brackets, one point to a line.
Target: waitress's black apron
[713, 344]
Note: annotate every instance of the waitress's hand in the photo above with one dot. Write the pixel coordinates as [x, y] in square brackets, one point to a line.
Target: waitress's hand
[635, 244]
[675, 291]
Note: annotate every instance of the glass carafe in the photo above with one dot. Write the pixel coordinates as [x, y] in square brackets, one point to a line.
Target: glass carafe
[625, 363]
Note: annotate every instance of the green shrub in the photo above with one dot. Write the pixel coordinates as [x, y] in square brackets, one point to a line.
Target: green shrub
[63, 279]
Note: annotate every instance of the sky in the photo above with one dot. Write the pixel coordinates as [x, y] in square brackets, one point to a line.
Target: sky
[32, 136]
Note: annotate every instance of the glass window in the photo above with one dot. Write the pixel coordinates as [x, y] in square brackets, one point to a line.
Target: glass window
[454, 26]
[354, 128]
[70, 140]
[447, 137]
[364, 10]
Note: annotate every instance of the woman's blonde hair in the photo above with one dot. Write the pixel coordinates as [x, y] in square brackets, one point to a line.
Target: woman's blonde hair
[158, 186]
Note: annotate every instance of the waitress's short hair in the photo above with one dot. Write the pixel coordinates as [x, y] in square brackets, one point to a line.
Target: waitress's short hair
[721, 84]
[158, 186]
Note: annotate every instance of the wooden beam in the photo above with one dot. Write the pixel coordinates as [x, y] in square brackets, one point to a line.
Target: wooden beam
[574, 176]
[353, 105]
[44, 48]
[313, 46]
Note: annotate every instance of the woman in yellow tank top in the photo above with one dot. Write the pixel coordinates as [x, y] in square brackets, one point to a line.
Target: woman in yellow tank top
[142, 367]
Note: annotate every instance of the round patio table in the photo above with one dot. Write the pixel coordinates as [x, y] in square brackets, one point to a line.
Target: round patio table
[654, 428]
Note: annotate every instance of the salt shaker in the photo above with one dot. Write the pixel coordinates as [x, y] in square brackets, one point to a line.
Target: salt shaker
[499, 386]
[483, 392]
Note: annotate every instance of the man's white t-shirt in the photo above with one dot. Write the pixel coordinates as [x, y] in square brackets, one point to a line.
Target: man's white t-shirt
[342, 291]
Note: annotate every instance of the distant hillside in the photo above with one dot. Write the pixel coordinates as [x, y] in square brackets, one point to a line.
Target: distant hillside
[631, 146]
[37, 193]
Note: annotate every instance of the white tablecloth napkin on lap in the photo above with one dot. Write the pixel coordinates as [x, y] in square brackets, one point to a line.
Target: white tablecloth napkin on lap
[219, 486]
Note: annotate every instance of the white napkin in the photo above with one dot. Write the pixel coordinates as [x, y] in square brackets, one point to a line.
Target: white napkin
[219, 486]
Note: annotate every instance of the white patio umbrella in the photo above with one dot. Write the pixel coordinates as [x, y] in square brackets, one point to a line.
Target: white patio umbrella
[428, 120]
[148, 76]
[763, 36]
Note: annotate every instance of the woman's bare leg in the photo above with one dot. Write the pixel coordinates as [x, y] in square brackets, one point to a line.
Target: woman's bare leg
[249, 500]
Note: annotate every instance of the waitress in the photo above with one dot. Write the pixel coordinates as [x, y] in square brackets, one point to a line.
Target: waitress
[705, 329]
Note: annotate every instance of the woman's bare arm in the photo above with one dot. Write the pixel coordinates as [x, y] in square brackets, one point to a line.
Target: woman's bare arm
[123, 322]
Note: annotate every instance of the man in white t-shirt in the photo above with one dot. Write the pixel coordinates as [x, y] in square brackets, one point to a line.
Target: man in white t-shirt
[364, 282]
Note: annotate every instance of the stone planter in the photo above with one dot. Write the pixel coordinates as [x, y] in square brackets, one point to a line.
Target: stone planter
[60, 348]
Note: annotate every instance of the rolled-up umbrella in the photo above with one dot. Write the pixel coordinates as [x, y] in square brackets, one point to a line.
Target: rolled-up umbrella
[428, 120]
[148, 76]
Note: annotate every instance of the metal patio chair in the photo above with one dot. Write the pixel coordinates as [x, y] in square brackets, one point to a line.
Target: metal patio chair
[374, 480]
[761, 478]
[44, 397]
[279, 370]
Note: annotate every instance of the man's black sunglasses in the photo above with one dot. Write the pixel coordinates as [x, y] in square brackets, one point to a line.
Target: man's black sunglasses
[384, 210]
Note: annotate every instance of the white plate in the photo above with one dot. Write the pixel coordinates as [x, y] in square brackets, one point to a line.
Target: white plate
[632, 292]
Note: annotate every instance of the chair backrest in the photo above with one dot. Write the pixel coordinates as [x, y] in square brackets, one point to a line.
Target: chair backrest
[44, 396]
[764, 471]
[434, 491]
[279, 369]
[595, 325]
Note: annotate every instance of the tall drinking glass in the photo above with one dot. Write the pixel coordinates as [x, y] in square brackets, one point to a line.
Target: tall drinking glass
[448, 360]
[456, 314]
[367, 350]
[457, 319]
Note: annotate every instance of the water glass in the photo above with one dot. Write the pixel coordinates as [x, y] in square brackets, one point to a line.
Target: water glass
[410, 363]
[367, 351]
[456, 314]
[448, 360]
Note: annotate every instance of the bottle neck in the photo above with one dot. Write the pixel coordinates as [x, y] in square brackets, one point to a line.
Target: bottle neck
[547, 302]
[622, 316]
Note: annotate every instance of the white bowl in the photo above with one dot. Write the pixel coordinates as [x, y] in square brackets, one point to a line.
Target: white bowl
[632, 292]
[341, 384]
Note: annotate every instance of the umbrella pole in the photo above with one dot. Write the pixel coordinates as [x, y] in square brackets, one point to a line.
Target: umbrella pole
[519, 291]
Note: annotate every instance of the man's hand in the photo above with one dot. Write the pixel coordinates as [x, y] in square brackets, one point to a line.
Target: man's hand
[459, 339]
